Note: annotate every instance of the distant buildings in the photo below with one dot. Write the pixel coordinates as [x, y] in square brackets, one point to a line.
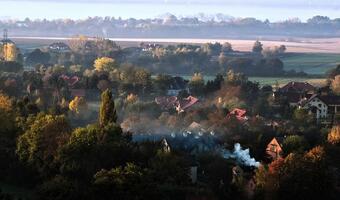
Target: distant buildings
[59, 47]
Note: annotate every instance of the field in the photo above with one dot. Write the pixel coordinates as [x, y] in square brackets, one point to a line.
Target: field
[296, 45]
[311, 63]
[274, 80]
[313, 56]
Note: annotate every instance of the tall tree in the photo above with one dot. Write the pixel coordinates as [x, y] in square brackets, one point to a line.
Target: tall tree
[258, 47]
[108, 112]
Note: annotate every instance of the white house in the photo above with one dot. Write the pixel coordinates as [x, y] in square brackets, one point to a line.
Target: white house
[323, 106]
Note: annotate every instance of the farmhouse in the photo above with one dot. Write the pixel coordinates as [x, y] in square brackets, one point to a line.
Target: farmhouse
[297, 87]
[293, 92]
[322, 106]
[274, 148]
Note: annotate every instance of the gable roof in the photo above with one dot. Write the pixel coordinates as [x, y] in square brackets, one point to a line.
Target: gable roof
[186, 103]
[297, 87]
[330, 99]
[240, 114]
[194, 126]
[327, 99]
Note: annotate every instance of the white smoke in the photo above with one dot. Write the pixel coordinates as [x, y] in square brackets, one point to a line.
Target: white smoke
[241, 155]
[202, 141]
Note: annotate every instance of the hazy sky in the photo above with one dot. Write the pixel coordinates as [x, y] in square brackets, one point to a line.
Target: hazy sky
[272, 9]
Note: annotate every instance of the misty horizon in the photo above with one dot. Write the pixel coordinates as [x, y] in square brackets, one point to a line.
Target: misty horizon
[142, 9]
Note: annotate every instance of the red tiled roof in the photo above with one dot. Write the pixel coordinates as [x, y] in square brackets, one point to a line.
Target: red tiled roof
[240, 114]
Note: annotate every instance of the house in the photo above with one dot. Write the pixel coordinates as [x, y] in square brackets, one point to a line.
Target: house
[323, 106]
[173, 102]
[59, 47]
[274, 148]
[185, 103]
[297, 87]
[195, 127]
[240, 114]
[293, 92]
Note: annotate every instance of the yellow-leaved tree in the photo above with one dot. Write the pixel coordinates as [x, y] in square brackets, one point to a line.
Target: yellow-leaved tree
[5, 103]
[78, 105]
[105, 64]
[334, 135]
[10, 52]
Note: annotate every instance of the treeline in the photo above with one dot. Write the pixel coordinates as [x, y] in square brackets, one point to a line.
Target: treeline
[182, 59]
[171, 26]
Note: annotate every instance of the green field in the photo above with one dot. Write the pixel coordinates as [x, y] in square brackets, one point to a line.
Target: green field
[273, 80]
[283, 80]
[311, 63]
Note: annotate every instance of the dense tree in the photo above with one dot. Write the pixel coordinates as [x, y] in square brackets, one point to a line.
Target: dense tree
[107, 111]
[121, 183]
[37, 57]
[306, 176]
[334, 72]
[258, 47]
[294, 144]
[105, 64]
[196, 84]
[39, 145]
[335, 84]
[91, 149]
[10, 66]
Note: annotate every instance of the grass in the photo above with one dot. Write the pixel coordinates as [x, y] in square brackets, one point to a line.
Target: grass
[311, 63]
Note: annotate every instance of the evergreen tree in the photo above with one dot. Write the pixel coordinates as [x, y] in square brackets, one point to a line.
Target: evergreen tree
[108, 112]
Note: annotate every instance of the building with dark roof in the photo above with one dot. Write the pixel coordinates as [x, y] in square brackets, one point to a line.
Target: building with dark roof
[294, 92]
[297, 87]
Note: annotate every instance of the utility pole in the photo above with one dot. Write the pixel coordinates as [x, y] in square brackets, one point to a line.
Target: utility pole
[5, 41]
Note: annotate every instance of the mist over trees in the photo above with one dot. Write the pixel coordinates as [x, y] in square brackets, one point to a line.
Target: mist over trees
[172, 26]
